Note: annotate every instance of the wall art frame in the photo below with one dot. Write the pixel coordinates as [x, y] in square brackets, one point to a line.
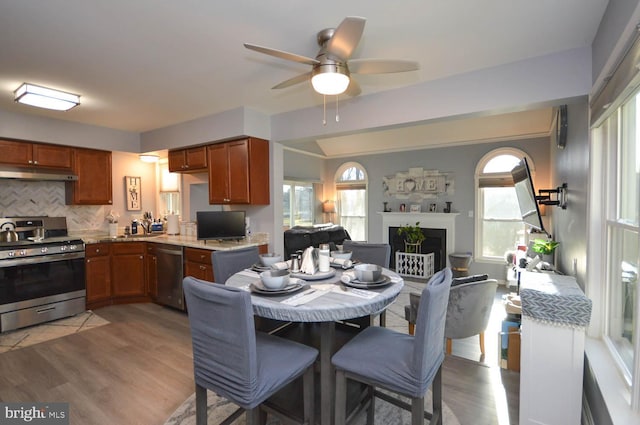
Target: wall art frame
[133, 193]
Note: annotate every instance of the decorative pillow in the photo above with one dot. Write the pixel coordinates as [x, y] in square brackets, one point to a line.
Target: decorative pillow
[469, 279]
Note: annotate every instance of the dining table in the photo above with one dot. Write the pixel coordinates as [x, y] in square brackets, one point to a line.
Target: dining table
[321, 299]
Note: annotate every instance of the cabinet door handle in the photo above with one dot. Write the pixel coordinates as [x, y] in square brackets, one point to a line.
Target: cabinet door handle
[30, 162]
[203, 268]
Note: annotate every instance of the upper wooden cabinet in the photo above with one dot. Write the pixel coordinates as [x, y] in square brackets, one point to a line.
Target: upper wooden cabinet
[26, 154]
[94, 184]
[239, 172]
[189, 160]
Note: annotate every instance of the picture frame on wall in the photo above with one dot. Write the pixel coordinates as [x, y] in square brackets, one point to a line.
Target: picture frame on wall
[133, 192]
[415, 208]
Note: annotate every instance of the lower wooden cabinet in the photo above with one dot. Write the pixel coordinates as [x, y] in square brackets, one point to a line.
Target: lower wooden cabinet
[151, 262]
[197, 263]
[127, 269]
[98, 273]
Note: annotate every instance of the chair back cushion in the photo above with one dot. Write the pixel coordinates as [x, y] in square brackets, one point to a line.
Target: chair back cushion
[224, 341]
[469, 308]
[371, 253]
[429, 336]
[227, 263]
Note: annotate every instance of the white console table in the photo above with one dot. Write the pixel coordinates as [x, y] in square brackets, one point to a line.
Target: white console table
[555, 313]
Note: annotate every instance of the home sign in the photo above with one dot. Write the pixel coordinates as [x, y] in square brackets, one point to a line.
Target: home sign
[417, 183]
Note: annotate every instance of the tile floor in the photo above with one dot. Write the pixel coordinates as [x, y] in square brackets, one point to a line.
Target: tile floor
[24, 337]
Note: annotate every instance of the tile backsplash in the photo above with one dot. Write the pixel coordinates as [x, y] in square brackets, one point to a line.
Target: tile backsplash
[33, 198]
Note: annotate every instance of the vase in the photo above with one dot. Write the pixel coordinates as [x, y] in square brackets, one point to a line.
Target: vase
[113, 230]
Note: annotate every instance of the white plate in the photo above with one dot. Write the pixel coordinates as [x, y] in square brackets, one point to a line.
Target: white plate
[316, 276]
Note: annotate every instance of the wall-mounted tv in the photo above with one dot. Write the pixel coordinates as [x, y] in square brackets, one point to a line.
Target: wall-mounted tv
[220, 225]
[526, 194]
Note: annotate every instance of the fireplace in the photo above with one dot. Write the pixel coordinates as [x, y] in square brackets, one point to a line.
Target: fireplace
[440, 226]
[435, 242]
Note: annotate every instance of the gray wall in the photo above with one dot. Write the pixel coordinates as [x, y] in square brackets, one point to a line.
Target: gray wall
[459, 160]
[571, 165]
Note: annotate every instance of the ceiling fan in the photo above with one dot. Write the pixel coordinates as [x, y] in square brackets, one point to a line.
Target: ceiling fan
[331, 69]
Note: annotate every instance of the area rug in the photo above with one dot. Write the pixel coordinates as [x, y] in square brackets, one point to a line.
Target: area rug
[20, 338]
[219, 408]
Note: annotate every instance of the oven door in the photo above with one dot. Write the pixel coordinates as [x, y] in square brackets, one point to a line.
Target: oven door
[25, 282]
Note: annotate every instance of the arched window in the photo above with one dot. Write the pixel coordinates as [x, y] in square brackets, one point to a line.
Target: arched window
[499, 225]
[351, 193]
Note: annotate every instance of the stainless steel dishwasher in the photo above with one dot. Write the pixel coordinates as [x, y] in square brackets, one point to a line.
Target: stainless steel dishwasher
[169, 275]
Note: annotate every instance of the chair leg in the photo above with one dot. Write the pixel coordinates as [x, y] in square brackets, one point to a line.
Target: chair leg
[412, 328]
[253, 416]
[481, 336]
[383, 319]
[417, 411]
[341, 398]
[449, 345]
[201, 405]
[372, 405]
[308, 397]
[436, 392]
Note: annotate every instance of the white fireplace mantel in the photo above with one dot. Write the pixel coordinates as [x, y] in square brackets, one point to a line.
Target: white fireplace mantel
[429, 220]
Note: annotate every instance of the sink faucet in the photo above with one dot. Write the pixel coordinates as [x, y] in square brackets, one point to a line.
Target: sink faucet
[146, 226]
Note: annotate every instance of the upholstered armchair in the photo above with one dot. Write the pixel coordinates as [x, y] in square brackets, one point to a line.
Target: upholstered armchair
[468, 312]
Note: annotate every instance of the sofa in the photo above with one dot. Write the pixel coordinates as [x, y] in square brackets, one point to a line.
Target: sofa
[300, 237]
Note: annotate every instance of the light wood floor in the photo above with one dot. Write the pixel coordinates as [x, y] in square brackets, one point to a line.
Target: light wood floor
[138, 370]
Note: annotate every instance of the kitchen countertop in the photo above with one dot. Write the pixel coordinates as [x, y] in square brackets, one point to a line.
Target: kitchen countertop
[189, 241]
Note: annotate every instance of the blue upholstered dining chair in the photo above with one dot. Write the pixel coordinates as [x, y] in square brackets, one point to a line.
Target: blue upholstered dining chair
[227, 263]
[371, 253]
[397, 362]
[233, 360]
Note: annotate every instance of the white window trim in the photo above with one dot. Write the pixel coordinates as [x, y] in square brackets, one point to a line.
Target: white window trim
[614, 387]
[478, 199]
[336, 183]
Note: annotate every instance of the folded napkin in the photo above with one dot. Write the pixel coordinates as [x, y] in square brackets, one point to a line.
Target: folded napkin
[348, 276]
[303, 297]
[281, 265]
[309, 264]
[341, 262]
[355, 292]
[248, 273]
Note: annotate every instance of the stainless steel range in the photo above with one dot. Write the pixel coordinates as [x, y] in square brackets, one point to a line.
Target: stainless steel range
[41, 279]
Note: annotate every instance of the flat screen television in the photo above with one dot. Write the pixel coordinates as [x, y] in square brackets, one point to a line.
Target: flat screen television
[220, 225]
[526, 194]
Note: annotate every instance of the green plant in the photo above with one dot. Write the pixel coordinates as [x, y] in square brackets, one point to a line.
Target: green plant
[544, 247]
[411, 234]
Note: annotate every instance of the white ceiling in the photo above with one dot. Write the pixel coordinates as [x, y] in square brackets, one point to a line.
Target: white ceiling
[145, 64]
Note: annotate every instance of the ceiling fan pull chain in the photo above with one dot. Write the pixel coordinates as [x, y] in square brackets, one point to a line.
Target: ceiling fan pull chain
[337, 111]
[324, 109]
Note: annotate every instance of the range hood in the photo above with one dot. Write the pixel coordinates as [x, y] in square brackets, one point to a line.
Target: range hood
[30, 174]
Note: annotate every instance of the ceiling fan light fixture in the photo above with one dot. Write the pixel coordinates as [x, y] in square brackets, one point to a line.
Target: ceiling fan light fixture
[330, 79]
[43, 97]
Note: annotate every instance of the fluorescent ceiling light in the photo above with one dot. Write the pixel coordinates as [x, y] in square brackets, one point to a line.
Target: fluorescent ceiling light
[149, 157]
[43, 97]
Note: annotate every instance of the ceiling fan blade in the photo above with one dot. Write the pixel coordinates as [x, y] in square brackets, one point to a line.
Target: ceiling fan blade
[346, 37]
[353, 89]
[281, 54]
[293, 81]
[381, 66]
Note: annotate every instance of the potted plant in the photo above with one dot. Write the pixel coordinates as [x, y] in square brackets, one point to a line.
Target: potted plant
[413, 237]
[544, 248]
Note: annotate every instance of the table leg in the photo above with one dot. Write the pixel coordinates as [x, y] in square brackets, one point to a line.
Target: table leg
[327, 373]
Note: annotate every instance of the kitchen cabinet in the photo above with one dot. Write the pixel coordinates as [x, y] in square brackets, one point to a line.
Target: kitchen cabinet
[128, 270]
[239, 172]
[94, 184]
[197, 263]
[40, 155]
[151, 262]
[189, 160]
[98, 274]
